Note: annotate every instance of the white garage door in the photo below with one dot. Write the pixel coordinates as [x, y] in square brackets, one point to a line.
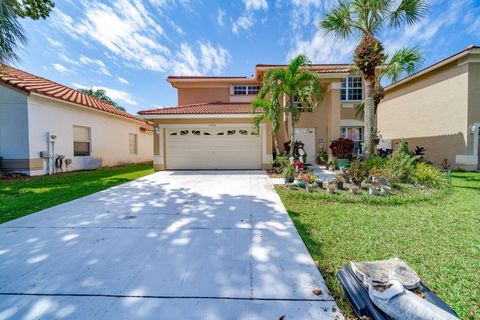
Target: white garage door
[213, 148]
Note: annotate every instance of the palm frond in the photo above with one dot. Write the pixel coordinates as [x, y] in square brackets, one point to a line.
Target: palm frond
[404, 61]
[339, 21]
[360, 110]
[12, 34]
[408, 12]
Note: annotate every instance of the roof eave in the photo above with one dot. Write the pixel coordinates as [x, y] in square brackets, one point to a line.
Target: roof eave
[196, 116]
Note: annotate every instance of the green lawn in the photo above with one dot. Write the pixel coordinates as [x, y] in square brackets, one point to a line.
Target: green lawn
[23, 196]
[438, 236]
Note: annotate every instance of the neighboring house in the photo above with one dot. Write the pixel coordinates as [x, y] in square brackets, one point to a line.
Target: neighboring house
[437, 108]
[46, 127]
[212, 126]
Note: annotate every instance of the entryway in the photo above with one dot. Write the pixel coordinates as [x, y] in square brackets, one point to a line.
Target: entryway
[307, 136]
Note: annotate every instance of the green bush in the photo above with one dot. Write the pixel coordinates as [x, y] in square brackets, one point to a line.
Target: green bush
[280, 162]
[357, 171]
[375, 162]
[401, 166]
[429, 176]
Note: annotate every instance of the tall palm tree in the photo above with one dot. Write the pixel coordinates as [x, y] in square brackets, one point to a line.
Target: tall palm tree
[12, 34]
[367, 18]
[101, 94]
[287, 86]
[404, 61]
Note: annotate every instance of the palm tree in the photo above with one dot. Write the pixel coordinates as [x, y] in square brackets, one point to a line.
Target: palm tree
[295, 83]
[12, 34]
[101, 94]
[404, 61]
[367, 18]
[270, 110]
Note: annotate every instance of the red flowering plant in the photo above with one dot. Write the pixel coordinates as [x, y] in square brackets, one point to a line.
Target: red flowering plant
[342, 148]
[299, 166]
[306, 177]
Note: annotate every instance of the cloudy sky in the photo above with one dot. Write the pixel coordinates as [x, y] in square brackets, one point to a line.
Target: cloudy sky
[129, 47]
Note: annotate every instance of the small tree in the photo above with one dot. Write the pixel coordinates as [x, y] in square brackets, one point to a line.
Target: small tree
[271, 110]
[295, 83]
[102, 95]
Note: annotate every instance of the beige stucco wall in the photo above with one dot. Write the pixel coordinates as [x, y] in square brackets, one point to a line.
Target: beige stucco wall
[199, 95]
[109, 134]
[473, 99]
[429, 111]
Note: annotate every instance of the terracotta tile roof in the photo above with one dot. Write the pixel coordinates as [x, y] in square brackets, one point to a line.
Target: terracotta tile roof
[147, 127]
[30, 83]
[313, 64]
[206, 77]
[203, 108]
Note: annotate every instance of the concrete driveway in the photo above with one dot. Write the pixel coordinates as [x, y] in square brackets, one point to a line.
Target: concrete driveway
[171, 245]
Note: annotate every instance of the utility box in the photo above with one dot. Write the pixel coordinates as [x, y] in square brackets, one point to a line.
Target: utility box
[44, 154]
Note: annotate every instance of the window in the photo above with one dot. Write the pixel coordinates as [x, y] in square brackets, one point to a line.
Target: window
[81, 141]
[246, 89]
[351, 89]
[132, 143]
[356, 135]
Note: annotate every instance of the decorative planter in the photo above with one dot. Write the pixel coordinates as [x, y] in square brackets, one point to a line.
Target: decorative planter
[340, 185]
[384, 190]
[330, 190]
[289, 180]
[300, 184]
[354, 190]
[342, 163]
[372, 190]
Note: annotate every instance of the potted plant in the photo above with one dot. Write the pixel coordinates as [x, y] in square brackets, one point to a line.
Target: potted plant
[299, 166]
[384, 190]
[339, 180]
[374, 188]
[342, 150]
[322, 157]
[289, 173]
[331, 188]
[331, 166]
[354, 188]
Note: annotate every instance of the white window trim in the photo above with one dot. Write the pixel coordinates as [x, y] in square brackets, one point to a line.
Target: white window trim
[136, 143]
[346, 88]
[90, 148]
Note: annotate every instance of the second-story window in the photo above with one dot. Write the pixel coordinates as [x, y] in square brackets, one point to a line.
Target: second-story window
[297, 104]
[246, 89]
[351, 89]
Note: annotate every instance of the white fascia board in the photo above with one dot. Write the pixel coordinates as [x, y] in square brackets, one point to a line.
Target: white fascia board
[196, 116]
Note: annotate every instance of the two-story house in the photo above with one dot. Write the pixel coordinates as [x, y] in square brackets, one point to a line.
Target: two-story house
[211, 128]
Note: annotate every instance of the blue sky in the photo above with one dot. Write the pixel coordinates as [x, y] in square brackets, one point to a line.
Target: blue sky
[129, 47]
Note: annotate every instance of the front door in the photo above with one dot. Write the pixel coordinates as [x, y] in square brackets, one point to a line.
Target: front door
[307, 136]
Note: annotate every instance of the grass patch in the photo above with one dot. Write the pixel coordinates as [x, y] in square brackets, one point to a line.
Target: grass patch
[435, 233]
[22, 196]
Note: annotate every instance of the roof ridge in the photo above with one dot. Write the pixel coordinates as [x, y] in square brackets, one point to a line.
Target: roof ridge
[29, 82]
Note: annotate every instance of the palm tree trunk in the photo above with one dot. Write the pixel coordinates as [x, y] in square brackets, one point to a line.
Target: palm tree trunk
[275, 142]
[369, 119]
[292, 138]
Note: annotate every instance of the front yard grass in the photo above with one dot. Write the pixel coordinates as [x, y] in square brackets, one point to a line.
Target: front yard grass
[439, 236]
[22, 196]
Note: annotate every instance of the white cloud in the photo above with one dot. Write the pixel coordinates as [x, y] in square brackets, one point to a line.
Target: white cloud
[132, 37]
[221, 17]
[60, 68]
[54, 43]
[244, 22]
[209, 60]
[123, 80]
[323, 49]
[118, 96]
[255, 4]
[67, 59]
[102, 67]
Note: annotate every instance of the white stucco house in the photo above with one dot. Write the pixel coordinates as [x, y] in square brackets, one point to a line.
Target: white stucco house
[46, 127]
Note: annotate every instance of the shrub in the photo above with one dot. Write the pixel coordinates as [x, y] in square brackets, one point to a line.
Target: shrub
[380, 173]
[280, 162]
[322, 157]
[375, 162]
[342, 148]
[401, 165]
[357, 171]
[429, 176]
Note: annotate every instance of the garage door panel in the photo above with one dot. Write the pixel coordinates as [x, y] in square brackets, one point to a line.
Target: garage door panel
[225, 148]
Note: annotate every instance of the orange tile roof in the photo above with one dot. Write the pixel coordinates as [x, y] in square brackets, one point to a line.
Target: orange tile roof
[203, 108]
[206, 77]
[30, 83]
